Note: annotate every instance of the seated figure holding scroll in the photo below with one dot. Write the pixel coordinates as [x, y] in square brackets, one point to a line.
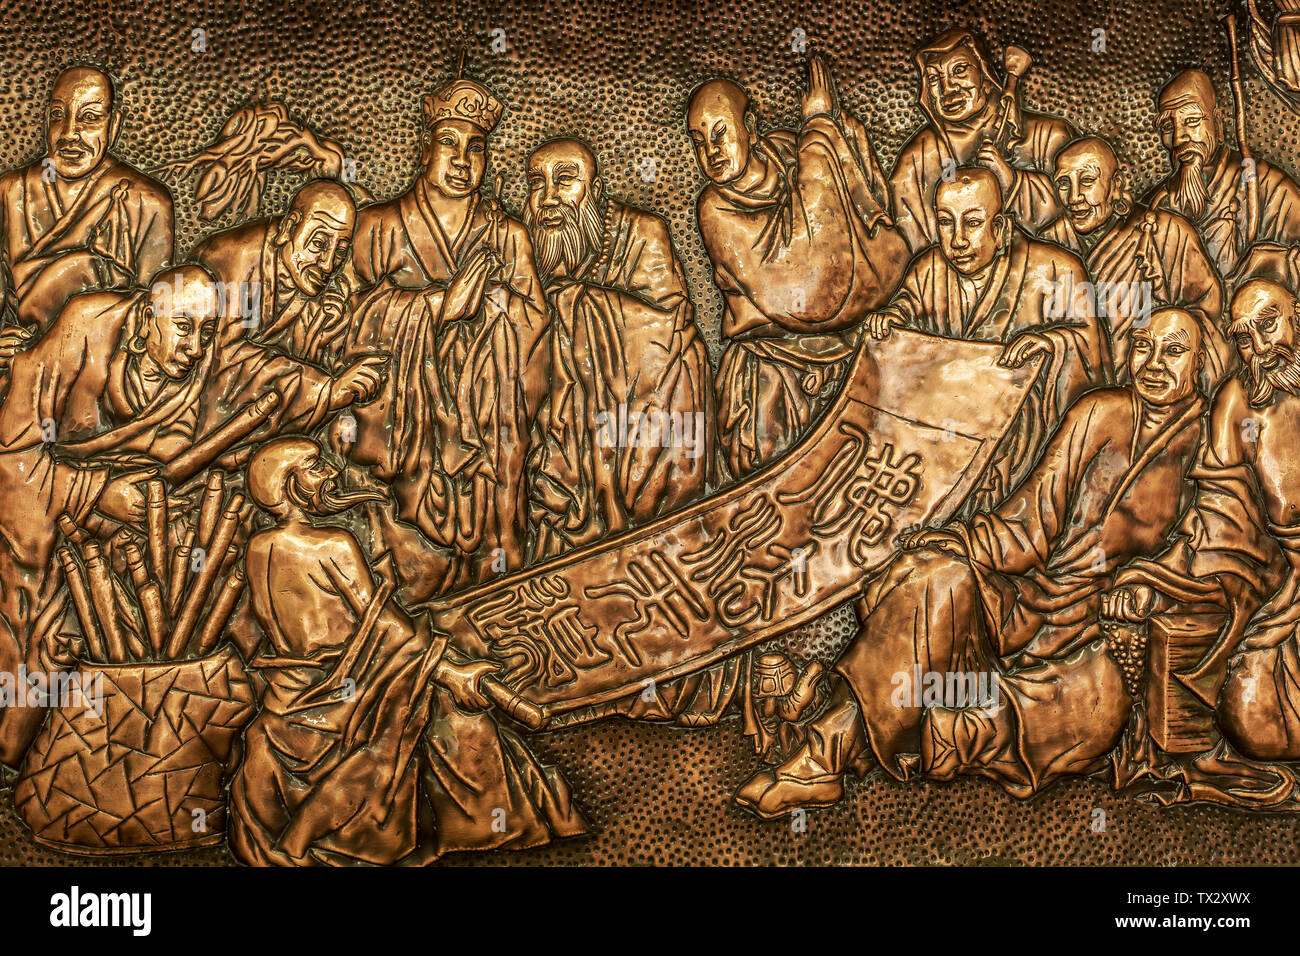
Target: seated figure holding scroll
[994, 618]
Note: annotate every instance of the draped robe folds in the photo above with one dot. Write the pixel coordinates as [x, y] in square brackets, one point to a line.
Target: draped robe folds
[625, 434]
[1030, 287]
[1224, 223]
[285, 343]
[336, 778]
[1022, 605]
[260, 296]
[450, 429]
[117, 233]
[68, 399]
[1160, 251]
[1031, 200]
[1234, 553]
[799, 259]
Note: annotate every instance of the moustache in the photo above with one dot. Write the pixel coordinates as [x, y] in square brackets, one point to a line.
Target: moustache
[331, 499]
[1274, 370]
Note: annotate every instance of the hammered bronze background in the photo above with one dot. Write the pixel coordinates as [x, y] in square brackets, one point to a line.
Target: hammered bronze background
[618, 76]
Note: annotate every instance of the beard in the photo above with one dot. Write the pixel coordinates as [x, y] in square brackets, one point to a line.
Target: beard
[1264, 383]
[570, 243]
[328, 499]
[1190, 196]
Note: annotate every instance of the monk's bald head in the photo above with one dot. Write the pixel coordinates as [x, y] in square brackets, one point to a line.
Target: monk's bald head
[1090, 183]
[1090, 150]
[82, 121]
[179, 322]
[1189, 86]
[968, 209]
[722, 128]
[975, 181]
[326, 197]
[315, 235]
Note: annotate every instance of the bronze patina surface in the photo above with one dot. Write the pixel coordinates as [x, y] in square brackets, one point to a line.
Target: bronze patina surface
[688, 433]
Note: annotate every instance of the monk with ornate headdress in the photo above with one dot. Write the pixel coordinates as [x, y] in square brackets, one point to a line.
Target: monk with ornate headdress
[448, 287]
[973, 118]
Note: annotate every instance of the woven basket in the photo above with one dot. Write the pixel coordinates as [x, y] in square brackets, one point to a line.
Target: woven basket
[131, 779]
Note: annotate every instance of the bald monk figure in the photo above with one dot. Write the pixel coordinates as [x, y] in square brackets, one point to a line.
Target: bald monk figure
[332, 778]
[1239, 544]
[802, 247]
[1139, 259]
[282, 276]
[987, 281]
[1012, 595]
[1208, 186]
[77, 219]
[285, 310]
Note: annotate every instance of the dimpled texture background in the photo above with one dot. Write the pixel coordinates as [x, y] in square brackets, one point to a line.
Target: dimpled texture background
[618, 75]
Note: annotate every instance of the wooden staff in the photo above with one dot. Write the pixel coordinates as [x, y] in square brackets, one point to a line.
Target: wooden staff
[81, 601]
[201, 454]
[222, 608]
[202, 586]
[1017, 63]
[105, 604]
[156, 521]
[180, 564]
[1239, 117]
[210, 509]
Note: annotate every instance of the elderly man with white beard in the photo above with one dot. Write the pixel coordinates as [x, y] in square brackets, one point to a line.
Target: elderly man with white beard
[1209, 182]
[625, 432]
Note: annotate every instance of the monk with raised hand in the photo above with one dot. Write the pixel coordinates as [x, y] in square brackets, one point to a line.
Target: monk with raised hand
[444, 281]
[795, 224]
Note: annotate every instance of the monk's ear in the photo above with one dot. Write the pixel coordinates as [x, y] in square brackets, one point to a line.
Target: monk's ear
[139, 336]
[597, 187]
[751, 123]
[1119, 191]
[287, 225]
[114, 126]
